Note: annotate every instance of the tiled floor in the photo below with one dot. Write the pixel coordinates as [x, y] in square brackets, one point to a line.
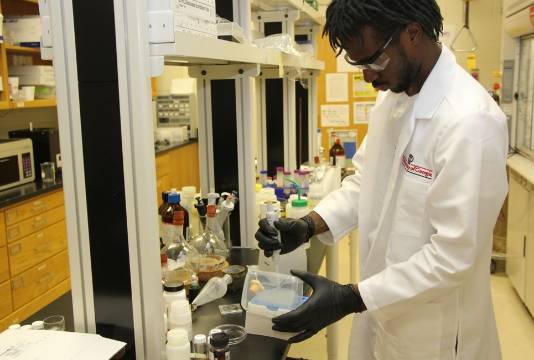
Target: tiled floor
[515, 324]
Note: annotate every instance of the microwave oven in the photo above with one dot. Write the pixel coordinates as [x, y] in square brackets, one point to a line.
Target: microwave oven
[16, 163]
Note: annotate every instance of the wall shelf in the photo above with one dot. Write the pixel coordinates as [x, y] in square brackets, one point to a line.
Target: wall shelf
[22, 49]
[192, 49]
[40, 103]
[4, 105]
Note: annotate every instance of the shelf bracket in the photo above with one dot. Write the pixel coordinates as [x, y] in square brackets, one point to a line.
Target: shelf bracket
[160, 31]
[292, 73]
[222, 72]
[46, 37]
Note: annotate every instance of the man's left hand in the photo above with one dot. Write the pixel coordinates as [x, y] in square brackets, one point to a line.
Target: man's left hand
[328, 303]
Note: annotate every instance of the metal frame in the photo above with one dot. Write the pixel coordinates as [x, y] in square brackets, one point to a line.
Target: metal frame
[68, 107]
[139, 173]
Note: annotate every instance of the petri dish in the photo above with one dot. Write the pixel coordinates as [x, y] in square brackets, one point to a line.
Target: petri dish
[236, 333]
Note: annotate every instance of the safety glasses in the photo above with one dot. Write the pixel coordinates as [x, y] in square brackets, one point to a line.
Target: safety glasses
[377, 62]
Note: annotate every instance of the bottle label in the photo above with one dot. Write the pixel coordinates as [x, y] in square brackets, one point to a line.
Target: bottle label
[340, 160]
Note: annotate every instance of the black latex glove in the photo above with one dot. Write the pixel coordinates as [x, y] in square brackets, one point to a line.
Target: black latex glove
[293, 233]
[329, 303]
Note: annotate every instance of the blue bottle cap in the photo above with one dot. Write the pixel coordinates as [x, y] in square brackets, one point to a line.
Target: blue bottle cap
[174, 198]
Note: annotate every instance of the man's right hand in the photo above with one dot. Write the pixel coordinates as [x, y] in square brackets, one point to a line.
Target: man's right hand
[293, 233]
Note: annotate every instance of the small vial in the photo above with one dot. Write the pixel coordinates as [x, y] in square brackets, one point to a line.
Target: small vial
[200, 344]
[26, 327]
[263, 178]
[38, 325]
[219, 347]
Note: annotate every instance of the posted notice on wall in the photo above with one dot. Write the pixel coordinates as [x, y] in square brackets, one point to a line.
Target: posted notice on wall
[362, 111]
[335, 115]
[360, 88]
[337, 87]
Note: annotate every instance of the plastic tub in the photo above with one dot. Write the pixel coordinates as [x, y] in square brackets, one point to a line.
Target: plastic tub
[267, 295]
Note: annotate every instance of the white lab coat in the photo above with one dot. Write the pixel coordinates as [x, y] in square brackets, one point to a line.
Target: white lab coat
[425, 248]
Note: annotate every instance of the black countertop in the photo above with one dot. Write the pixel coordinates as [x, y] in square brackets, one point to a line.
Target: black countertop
[27, 191]
[160, 149]
[254, 347]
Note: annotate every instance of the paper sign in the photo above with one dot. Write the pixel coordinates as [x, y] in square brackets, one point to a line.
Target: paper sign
[337, 87]
[342, 65]
[361, 89]
[361, 111]
[335, 115]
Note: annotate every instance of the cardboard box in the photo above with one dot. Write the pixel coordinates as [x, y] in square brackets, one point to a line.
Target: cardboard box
[23, 30]
[34, 75]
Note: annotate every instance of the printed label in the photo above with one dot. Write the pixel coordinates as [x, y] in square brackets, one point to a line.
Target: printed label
[409, 166]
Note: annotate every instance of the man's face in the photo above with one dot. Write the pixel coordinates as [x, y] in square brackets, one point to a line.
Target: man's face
[401, 70]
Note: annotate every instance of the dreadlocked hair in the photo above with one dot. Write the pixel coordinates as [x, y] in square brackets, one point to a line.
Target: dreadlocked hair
[346, 18]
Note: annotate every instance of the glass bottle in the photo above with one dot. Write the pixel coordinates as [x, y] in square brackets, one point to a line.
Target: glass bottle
[219, 346]
[168, 217]
[213, 250]
[182, 256]
[337, 154]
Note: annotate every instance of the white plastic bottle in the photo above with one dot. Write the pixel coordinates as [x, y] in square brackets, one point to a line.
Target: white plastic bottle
[172, 291]
[179, 317]
[214, 289]
[178, 347]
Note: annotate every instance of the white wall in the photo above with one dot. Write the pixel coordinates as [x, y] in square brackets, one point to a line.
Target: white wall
[486, 25]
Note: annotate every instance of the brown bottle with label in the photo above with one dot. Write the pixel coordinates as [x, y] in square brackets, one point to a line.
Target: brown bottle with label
[337, 154]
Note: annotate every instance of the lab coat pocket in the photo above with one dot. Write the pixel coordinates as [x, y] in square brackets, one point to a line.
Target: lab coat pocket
[415, 335]
[408, 220]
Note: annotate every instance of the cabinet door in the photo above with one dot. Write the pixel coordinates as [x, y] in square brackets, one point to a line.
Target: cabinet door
[518, 203]
[530, 255]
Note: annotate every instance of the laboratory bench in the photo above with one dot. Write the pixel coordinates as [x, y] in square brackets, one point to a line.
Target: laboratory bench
[254, 347]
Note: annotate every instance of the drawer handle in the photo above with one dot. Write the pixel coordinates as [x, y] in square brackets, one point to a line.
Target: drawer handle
[39, 208]
[42, 248]
[46, 278]
[15, 249]
[13, 232]
[17, 283]
[39, 223]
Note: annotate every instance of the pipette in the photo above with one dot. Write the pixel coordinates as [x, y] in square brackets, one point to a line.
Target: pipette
[272, 215]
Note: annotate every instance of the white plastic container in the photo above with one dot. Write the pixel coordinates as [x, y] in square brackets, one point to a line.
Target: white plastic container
[38, 325]
[178, 345]
[172, 291]
[179, 317]
[267, 295]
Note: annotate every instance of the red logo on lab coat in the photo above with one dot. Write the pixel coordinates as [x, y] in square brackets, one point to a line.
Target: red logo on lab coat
[410, 167]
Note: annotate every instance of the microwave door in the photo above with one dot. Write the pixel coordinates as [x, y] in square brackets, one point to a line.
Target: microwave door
[9, 170]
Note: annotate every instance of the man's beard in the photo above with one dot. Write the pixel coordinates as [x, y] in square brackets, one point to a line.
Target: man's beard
[408, 71]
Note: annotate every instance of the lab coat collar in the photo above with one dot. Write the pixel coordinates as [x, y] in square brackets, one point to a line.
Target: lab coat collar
[435, 86]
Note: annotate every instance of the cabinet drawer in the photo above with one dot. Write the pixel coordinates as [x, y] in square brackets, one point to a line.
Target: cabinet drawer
[39, 279]
[33, 224]
[37, 247]
[2, 229]
[5, 299]
[4, 264]
[163, 164]
[34, 207]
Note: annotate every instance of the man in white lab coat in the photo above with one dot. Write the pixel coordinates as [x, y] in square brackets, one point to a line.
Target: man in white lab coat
[430, 181]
